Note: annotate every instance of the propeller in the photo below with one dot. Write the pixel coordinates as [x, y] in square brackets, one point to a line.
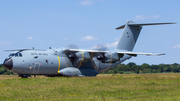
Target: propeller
[101, 47]
[72, 46]
[72, 56]
[101, 56]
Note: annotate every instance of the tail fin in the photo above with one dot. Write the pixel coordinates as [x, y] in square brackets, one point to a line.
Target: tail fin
[130, 34]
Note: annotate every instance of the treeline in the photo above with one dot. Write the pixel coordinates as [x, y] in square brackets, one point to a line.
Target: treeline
[4, 71]
[144, 68]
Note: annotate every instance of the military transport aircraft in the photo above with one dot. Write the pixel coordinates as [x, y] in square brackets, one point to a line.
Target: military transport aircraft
[76, 62]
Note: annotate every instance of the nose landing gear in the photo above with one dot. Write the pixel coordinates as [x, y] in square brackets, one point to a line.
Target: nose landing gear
[24, 76]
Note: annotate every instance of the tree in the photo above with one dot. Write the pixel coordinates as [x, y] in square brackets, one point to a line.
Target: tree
[4, 71]
[144, 68]
[130, 64]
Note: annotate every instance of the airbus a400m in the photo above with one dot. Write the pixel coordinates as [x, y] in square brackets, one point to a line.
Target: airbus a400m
[76, 62]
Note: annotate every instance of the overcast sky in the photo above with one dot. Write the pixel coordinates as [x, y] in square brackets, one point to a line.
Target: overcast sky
[88, 23]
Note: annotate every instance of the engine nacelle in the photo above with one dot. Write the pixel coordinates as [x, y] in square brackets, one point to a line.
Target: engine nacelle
[83, 56]
[109, 57]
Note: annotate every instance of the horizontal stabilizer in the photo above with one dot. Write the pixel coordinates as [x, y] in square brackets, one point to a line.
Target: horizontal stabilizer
[143, 24]
[146, 24]
[121, 27]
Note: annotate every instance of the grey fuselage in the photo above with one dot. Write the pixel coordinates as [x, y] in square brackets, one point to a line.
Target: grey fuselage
[49, 62]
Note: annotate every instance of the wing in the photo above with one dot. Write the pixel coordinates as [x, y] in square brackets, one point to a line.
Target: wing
[138, 53]
[80, 55]
[118, 52]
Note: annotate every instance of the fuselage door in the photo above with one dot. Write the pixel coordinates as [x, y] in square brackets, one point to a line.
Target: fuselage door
[36, 68]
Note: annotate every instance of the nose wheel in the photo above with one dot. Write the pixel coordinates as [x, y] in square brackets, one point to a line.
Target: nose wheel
[24, 76]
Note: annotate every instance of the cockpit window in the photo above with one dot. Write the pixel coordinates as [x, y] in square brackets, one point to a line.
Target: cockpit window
[11, 55]
[18, 54]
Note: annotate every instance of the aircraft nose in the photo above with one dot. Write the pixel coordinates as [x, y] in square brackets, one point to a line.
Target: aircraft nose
[8, 63]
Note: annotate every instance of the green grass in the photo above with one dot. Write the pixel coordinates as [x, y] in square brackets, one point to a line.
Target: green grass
[149, 87]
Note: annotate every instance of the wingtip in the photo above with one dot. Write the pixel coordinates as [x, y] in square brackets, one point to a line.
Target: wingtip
[163, 54]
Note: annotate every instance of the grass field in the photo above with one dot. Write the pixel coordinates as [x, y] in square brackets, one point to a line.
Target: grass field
[122, 87]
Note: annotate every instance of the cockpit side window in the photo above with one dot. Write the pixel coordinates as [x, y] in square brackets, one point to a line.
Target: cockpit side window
[20, 54]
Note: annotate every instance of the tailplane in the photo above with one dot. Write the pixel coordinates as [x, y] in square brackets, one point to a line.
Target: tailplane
[130, 34]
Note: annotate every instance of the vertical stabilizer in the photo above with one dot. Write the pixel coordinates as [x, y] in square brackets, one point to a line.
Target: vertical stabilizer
[129, 36]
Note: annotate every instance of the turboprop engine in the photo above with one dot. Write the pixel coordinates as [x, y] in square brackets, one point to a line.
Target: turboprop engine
[80, 56]
[109, 57]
